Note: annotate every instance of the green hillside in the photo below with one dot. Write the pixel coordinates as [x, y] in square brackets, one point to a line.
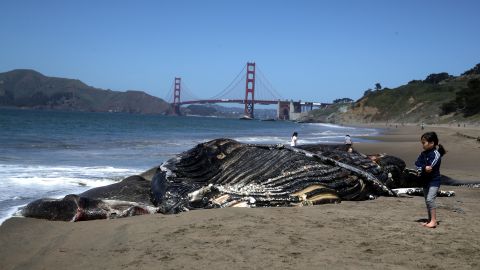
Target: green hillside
[30, 89]
[440, 98]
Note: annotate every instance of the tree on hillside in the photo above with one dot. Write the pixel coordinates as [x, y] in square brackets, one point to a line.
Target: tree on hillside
[343, 100]
[474, 70]
[449, 107]
[435, 78]
[378, 86]
[471, 97]
[367, 92]
[466, 100]
[414, 81]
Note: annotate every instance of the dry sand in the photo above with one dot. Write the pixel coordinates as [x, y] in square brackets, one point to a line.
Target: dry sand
[463, 153]
[378, 234]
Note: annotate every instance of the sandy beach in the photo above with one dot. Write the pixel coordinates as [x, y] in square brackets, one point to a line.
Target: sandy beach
[378, 234]
[463, 152]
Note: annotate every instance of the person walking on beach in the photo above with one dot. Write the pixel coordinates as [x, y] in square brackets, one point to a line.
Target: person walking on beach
[293, 141]
[348, 143]
[428, 167]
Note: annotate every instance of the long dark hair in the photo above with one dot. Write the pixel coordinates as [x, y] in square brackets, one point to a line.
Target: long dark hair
[432, 137]
[295, 134]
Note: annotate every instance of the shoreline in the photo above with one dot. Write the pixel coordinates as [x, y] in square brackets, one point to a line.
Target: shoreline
[377, 234]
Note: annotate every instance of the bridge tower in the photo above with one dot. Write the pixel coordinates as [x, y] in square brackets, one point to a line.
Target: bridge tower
[176, 96]
[250, 90]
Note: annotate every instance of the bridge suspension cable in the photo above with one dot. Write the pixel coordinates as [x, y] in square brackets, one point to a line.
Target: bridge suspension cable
[268, 85]
[233, 85]
[187, 94]
[169, 96]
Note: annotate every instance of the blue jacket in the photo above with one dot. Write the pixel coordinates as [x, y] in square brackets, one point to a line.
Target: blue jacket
[429, 158]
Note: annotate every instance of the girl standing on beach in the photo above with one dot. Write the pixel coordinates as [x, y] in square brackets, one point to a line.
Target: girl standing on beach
[428, 166]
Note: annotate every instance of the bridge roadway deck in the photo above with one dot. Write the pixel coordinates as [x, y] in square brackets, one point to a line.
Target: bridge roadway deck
[241, 101]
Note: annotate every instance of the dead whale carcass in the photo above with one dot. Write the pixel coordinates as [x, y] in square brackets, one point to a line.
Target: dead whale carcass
[224, 172]
[129, 197]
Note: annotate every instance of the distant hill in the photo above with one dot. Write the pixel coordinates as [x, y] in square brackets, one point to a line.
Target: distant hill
[439, 98]
[25, 88]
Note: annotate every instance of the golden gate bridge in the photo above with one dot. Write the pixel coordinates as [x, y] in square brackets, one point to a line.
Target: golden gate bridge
[258, 90]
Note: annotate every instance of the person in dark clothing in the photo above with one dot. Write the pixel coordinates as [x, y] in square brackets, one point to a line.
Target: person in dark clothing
[428, 167]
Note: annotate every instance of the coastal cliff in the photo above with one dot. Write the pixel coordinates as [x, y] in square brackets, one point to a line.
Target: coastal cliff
[439, 98]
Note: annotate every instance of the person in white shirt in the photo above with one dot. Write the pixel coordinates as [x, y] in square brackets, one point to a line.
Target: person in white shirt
[293, 142]
[348, 143]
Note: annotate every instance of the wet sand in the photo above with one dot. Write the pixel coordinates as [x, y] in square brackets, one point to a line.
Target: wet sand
[377, 234]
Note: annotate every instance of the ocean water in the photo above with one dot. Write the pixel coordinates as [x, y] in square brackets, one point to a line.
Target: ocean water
[52, 154]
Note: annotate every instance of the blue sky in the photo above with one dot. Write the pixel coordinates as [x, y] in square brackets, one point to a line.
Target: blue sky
[308, 50]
